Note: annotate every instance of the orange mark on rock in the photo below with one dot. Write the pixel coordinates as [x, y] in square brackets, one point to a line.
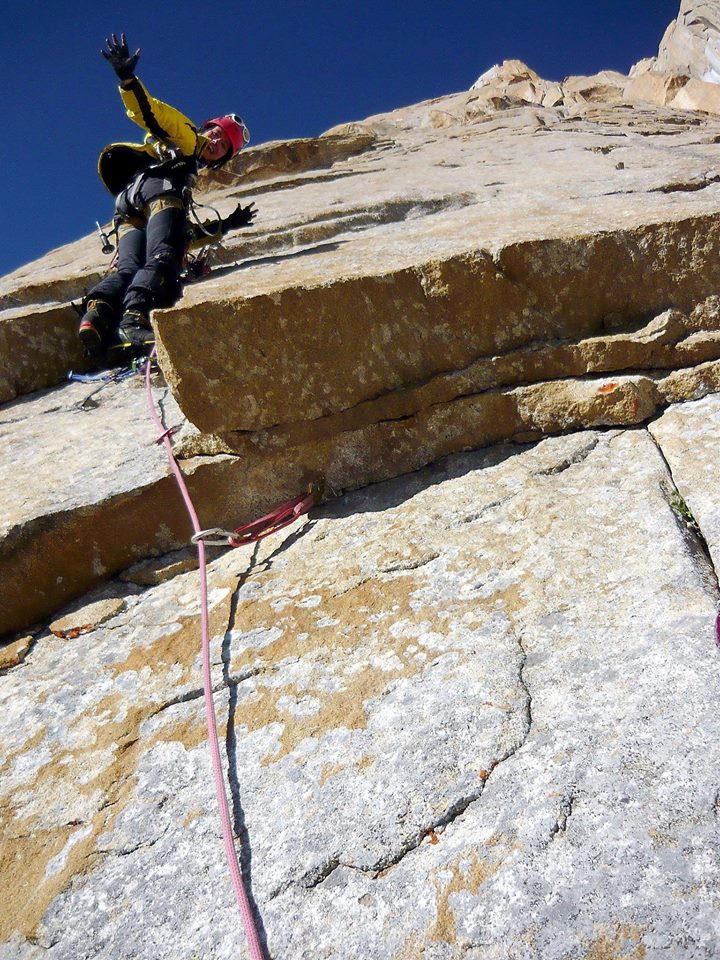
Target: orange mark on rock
[608, 387]
[73, 632]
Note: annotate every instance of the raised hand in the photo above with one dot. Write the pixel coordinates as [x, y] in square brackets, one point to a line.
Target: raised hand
[119, 57]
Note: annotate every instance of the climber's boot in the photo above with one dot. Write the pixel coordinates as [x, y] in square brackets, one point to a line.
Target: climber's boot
[135, 336]
[96, 326]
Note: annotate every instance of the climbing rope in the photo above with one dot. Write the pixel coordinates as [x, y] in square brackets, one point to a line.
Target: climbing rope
[251, 933]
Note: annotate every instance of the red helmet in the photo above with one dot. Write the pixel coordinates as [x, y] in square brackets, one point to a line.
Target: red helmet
[234, 129]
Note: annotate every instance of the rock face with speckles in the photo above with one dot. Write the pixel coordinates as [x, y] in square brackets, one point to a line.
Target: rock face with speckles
[468, 707]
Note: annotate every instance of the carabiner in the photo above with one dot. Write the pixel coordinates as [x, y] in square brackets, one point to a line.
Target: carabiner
[204, 536]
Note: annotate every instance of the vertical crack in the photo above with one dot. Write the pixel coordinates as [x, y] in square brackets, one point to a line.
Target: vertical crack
[689, 527]
[567, 808]
[524, 684]
[238, 814]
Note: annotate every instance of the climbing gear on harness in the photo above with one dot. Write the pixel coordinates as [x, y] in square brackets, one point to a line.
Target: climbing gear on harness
[95, 327]
[196, 266]
[278, 518]
[215, 231]
[119, 57]
[243, 901]
[107, 247]
[107, 377]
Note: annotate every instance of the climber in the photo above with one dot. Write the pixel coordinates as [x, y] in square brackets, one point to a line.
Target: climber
[151, 183]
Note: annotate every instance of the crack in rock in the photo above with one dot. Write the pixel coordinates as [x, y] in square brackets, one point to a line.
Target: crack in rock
[477, 514]
[126, 851]
[528, 694]
[567, 808]
[689, 528]
[183, 698]
[197, 694]
[319, 875]
[414, 563]
[35, 942]
[262, 671]
[571, 461]
[689, 186]
[34, 416]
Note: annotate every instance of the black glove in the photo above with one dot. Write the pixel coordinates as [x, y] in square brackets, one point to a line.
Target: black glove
[240, 217]
[118, 56]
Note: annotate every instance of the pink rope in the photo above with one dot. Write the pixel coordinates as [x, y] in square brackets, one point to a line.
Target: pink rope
[251, 933]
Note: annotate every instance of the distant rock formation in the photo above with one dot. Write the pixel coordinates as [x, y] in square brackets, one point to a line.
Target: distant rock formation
[691, 45]
[686, 71]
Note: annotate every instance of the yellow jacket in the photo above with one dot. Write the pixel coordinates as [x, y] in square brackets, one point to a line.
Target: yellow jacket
[170, 135]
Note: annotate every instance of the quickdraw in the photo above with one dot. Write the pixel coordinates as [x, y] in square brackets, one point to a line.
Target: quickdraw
[107, 377]
[103, 379]
[278, 518]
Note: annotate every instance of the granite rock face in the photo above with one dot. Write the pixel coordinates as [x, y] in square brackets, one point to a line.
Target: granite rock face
[686, 72]
[467, 706]
[691, 45]
[458, 718]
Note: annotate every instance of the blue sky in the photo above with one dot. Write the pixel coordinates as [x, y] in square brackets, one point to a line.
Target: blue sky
[291, 69]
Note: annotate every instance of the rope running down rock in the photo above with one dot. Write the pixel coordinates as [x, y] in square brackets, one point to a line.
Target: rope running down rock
[251, 932]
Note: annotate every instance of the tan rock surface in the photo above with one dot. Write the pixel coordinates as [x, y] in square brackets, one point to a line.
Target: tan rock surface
[450, 259]
[38, 347]
[13, 654]
[153, 572]
[698, 95]
[608, 86]
[657, 88]
[414, 294]
[86, 618]
[642, 66]
[691, 45]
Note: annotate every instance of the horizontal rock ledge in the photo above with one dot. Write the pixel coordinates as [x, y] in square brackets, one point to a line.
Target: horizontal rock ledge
[672, 340]
[51, 559]
[302, 352]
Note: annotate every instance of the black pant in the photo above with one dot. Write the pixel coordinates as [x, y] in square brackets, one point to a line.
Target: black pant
[151, 248]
